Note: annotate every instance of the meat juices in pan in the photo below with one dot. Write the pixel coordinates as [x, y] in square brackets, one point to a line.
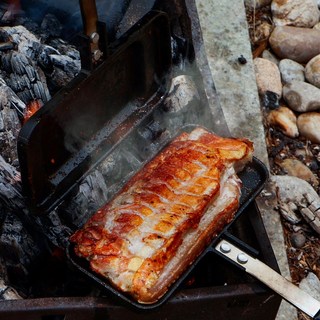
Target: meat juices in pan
[165, 216]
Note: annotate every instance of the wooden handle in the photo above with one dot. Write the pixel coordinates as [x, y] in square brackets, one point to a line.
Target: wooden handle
[89, 16]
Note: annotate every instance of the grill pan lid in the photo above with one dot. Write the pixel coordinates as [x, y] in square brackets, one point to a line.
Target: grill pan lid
[82, 123]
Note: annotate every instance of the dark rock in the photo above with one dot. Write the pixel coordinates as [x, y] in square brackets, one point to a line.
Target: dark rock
[298, 239]
[270, 100]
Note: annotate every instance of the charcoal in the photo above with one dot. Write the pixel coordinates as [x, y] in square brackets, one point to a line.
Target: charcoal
[7, 292]
[19, 83]
[59, 78]
[11, 197]
[26, 64]
[25, 95]
[8, 146]
[41, 92]
[11, 109]
[20, 64]
[18, 248]
[29, 24]
[17, 66]
[9, 99]
[44, 57]
[67, 64]
[51, 26]
[90, 195]
[65, 48]
[21, 37]
[60, 63]
[12, 202]
[4, 46]
[54, 228]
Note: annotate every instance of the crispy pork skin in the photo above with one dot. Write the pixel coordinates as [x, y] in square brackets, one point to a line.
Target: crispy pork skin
[165, 216]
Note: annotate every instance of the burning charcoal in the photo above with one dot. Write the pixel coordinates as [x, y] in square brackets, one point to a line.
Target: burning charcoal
[51, 26]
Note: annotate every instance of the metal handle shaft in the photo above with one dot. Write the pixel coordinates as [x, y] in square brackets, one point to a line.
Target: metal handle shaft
[271, 278]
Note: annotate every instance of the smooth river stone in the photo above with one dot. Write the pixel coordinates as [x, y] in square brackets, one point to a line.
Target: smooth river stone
[301, 96]
[298, 13]
[297, 44]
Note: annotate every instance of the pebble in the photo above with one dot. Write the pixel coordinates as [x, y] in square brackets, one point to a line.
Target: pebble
[297, 169]
[267, 76]
[311, 284]
[299, 13]
[309, 125]
[291, 71]
[312, 71]
[298, 44]
[284, 119]
[266, 54]
[301, 96]
[298, 239]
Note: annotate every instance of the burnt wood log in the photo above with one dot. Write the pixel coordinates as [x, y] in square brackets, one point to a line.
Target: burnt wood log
[35, 70]
[11, 108]
[17, 246]
[24, 77]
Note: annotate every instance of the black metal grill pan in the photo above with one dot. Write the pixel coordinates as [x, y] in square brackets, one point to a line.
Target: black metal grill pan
[253, 178]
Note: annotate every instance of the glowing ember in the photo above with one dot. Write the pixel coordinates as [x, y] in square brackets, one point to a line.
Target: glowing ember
[32, 107]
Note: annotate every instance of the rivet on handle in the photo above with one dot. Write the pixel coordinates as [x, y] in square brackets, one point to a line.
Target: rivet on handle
[225, 248]
[242, 258]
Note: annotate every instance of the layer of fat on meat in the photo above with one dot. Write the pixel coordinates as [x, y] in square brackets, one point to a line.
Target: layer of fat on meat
[196, 134]
[229, 191]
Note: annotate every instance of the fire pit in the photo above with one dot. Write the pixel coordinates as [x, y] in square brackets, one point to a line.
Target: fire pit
[158, 88]
[214, 288]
